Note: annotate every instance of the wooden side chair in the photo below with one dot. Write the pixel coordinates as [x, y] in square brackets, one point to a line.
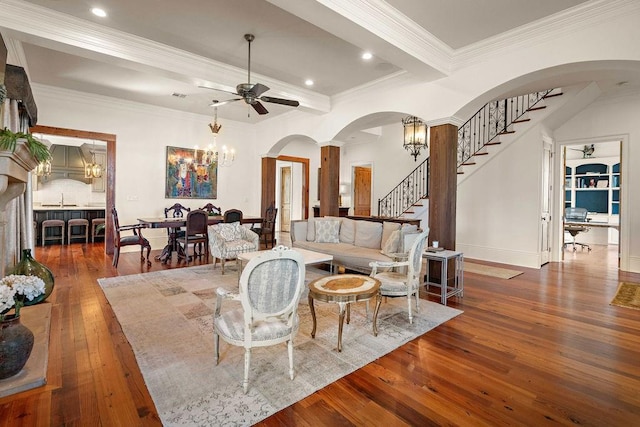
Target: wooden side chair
[173, 234]
[267, 230]
[270, 288]
[211, 209]
[232, 215]
[196, 234]
[136, 239]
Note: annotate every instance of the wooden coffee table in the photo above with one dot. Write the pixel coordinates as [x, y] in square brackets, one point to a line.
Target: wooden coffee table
[344, 289]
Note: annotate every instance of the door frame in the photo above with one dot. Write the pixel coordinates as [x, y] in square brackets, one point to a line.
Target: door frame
[305, 183]
[110, 169]
[558, 209]
[547, 158]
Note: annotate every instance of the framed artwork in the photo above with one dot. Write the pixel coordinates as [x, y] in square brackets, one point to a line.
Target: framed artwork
[191, 174]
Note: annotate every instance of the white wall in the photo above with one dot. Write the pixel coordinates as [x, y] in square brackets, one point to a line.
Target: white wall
[604, 120]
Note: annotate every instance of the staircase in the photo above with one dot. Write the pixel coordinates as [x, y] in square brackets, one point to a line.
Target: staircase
[494, 120]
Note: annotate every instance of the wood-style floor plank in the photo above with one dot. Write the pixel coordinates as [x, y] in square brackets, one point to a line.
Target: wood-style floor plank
[543, 348]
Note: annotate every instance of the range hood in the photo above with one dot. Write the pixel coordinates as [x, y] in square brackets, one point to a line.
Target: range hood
[67, 162]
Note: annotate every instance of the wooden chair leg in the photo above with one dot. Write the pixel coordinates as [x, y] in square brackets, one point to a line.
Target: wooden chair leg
[116, 255]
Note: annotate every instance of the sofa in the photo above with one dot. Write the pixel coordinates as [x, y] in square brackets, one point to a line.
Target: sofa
[354, 243]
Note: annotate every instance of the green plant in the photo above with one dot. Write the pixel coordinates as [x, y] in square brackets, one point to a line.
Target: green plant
[38, 150]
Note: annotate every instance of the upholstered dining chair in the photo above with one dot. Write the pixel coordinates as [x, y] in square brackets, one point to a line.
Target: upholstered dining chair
[267, 230]
[270, 288]
[405, 282]
[136, 239]
[232, 215]
[211, 209]
[226, 241]
[196, 234]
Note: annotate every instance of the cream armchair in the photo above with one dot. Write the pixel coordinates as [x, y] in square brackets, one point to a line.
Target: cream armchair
[226, 241]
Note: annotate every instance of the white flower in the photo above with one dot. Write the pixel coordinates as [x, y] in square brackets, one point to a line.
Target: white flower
[28, 286]
[7, 297]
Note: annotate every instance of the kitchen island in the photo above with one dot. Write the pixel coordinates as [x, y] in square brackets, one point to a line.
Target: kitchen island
[65, 213]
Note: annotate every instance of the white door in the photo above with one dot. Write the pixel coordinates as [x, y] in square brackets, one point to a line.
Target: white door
[545, 203]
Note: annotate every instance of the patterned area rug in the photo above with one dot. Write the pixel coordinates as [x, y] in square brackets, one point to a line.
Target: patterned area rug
[166, 317]
[627, 295]
[486, 270]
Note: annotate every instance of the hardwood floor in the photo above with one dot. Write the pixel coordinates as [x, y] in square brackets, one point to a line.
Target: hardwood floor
[543, 348]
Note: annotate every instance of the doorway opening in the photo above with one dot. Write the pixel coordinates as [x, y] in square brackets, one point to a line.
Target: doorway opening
[292, 190]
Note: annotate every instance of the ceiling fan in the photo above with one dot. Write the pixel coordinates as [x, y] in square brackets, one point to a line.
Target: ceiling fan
[251, 93]
[587, 151]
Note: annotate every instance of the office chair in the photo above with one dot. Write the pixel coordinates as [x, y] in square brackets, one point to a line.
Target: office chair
[576, 215]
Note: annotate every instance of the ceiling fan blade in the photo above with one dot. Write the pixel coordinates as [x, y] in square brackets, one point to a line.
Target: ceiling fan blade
[219, 103]
[219, 90]
[259, 108]
[258, 89]
[289, 102]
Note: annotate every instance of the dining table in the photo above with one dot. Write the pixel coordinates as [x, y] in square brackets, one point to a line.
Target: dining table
[177, 223]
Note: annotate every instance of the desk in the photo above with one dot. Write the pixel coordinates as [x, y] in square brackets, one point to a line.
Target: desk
[172, 245]
[344, 289]
[446, 291]
[595, 224]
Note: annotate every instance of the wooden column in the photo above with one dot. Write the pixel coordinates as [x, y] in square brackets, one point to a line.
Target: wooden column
[268, 183]
[443, 185]
[329, 180]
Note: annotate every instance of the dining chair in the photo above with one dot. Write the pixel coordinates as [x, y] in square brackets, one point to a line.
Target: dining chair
[269, 292]
[211, 209]
[175, 211]
[406, 281]
[266, 231]
[136, 239]
[196, 234]
[233, 215]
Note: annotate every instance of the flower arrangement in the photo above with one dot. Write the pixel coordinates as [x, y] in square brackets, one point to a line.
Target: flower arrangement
[15, 289]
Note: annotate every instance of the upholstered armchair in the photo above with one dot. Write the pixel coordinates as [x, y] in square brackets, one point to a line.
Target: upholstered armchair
[226, 241]
[402, 278]
[270, 288]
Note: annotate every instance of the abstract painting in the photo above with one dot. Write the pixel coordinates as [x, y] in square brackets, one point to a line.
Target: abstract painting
[191, 174]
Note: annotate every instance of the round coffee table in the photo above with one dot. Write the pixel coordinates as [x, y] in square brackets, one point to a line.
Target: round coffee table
[344, 289]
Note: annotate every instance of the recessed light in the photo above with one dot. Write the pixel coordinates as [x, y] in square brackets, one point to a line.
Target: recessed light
[367, 56]
[99, 12]
[308, 82]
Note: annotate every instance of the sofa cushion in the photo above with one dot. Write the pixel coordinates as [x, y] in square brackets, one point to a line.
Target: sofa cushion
[347, 231]
[388, 228]
[368, 234]
[393, 244]
[353, 257]
[327, 231]
[311, 229]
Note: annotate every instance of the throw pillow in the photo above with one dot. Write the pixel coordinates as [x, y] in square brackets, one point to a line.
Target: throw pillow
[368, 234]
[327, 231]
[347, 231]
[388, 228]
[392, 245]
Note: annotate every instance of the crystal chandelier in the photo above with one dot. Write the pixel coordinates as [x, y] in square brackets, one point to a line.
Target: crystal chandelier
[415, 136]
[93, 169]
[225, 156]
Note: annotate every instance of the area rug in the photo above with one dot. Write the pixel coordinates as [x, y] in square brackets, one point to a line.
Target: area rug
[38, 319]
[627, 295]
[167, 318]
[486, 270]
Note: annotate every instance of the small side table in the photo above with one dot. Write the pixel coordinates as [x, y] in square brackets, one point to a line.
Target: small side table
[344, 289]
[458, 280]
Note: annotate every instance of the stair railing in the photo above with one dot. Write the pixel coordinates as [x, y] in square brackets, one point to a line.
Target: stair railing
[414, 187]
[492, 120]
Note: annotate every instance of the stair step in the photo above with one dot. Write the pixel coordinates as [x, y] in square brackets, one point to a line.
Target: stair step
[540, 107]
[506, 132]
[493, 143]
[482, 153]
[551, 95]
[468, 163]
[460, 173]
[521, 121]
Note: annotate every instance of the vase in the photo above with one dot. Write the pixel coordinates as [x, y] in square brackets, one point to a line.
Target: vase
[16, 343]
[28, 266]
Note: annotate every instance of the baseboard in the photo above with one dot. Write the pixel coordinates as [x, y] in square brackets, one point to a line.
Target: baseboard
[502, 256]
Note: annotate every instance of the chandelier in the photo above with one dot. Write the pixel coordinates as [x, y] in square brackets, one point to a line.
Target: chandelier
[223, 157]
[44, 168]
[415, 136]
[93, 169]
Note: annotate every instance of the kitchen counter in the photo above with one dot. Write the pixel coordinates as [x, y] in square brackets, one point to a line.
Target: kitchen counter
[68, 208]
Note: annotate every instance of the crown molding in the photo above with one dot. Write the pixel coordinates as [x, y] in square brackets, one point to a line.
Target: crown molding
[49, 27]
[568, 21]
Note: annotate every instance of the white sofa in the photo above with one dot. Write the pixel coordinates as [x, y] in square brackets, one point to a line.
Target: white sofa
[353, 243]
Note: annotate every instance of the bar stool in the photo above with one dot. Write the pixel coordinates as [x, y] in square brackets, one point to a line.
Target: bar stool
[95, 222]
[78, 222]
[52, 223]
